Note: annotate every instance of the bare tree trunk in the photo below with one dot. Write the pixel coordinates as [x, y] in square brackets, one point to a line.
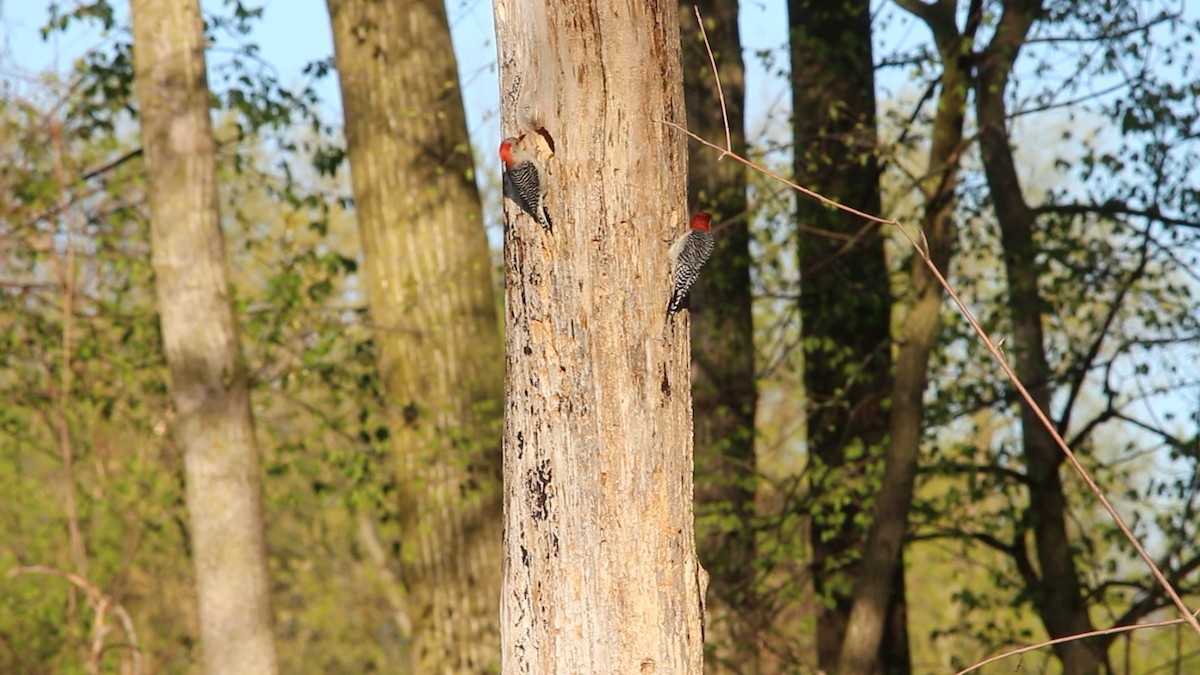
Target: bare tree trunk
[433, 306]
[1058, 594]
[208, 378]
[723, 385]
[860, 649]
[846, 301]
[600, 569]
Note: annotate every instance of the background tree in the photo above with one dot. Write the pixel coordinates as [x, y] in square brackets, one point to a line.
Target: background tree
[428, 282]
[845, 305]
[724, 392]
[921, 306]
[1053, 562]
[1059, 595]
[208, 376]
[306, 344]
[600, 562]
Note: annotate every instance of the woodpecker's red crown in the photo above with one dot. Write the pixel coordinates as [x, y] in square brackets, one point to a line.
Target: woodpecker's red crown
[702, 221]
[506, 148]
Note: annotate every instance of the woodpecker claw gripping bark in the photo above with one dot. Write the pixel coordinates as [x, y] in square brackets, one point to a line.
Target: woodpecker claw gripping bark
[523, 181]
[688, 255]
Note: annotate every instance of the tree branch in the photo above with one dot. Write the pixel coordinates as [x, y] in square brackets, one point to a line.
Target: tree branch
[110, 165]
[1113, 208]
[1082, 367]
[1155, 597]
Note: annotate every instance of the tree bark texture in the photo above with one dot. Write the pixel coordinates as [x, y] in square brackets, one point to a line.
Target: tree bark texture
[845, 300]
[432, 304]
[724, 390]
[208, 377]
[600, 568]
[1058, 594]
[882, 554]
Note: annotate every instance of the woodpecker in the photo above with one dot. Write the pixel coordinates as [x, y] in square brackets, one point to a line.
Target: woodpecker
[523, 181]
[688, 255]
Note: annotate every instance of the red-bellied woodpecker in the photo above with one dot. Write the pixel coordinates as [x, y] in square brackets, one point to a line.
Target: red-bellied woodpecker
[688, 255]
[523, 181]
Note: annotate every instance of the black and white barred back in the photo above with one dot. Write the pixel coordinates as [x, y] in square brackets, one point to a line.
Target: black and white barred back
[693, 254]
[522, 184]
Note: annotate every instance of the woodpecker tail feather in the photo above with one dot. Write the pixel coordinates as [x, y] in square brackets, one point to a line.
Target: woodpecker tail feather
[679, 302]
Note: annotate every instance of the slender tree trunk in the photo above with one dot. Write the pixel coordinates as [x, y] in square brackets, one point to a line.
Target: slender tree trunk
[432, 304]
[860, 651]
[846, 300]
[723, 384]
[1059, 595]
[600, 569]
[208, 378]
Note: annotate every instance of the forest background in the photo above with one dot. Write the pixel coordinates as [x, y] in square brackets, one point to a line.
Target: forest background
[1064, 209]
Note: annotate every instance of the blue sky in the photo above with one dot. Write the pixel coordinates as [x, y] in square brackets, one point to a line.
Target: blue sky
[293, 33]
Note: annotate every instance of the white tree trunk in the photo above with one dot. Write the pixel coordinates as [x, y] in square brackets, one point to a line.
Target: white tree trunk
[600, 569]
[208, 378]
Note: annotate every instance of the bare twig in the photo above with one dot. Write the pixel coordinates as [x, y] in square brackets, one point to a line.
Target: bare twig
[1069, 638]
[369, 539]
[111, 164]
[101, 603]
[25, 285]
[1114, 207]
[720, 92]
[767, 172]
[67, 276]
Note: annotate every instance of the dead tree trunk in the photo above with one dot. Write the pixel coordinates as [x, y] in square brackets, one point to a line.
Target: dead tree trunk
[600, 569]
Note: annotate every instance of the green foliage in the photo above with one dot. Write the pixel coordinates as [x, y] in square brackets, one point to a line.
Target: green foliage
[1116, 276]
[1113, 179]
[1105, 144]
[91, 238]
[329, 485]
